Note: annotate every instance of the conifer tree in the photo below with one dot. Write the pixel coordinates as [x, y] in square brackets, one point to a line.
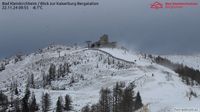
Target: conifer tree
[25, 103]
[46, 102]
[12, 98]
[32, 83]
[138, 101]
[66, 68]
[33, 105]
[117, 97]
[60, 71]
[52, 72]
[127, 103]
[68, 102]
[105, 100]
[59, 107]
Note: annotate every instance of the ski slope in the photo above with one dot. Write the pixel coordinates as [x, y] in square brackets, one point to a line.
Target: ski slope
[160, 88]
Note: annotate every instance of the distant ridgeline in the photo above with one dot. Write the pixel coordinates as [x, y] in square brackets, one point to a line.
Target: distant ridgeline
[102, 42]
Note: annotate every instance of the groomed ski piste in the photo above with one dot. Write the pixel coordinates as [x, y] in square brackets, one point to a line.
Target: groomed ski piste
[161, 89]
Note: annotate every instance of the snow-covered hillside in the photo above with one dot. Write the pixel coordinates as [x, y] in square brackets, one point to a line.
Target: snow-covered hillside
[161, 88]
[189, 60]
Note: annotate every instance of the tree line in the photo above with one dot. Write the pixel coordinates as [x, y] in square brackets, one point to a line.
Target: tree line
[119, 99]
[189, 75]
[28, 103]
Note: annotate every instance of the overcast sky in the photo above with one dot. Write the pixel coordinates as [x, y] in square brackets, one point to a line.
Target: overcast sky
[130, 22]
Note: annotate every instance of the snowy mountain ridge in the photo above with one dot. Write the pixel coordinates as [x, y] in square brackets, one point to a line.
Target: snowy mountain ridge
[91, 69]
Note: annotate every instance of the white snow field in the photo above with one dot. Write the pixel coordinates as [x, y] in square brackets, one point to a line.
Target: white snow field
[160, 88]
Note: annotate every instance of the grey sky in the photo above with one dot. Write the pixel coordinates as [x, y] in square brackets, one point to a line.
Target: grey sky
[129, 21]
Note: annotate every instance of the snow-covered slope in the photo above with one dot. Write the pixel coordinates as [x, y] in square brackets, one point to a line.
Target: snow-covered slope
[161, 88]
[189, 60]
